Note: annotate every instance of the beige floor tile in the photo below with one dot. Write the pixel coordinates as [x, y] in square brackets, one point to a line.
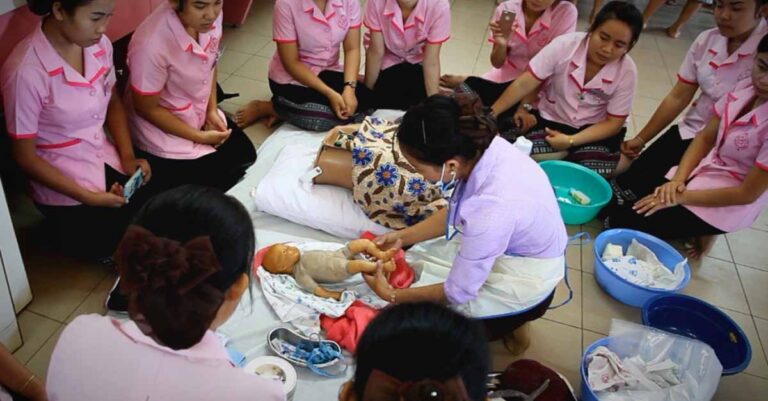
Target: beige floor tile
[459, 56]
[639, 122]
[231, 61]
[650, 71]
[60, 284]
[471, 30]
[94, 303]
[483, 63]
[717, 282]
[588, 338]
[644, 106]
[755, 282]
[553, 344]
[268, 50]
[655, 89]
[600, 308]
[748, 248]
[588, 249]
[40, 361]
[573, 252]
[235, 39]
[741, 387]
[762, 221]
[721, 250]
[762, 331]
[256, 68]
[570, 313]
[247, 88]
[646, 42]
[35, 331]
[758, 366]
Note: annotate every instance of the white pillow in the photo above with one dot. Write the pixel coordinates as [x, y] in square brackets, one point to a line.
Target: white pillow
[287, 192]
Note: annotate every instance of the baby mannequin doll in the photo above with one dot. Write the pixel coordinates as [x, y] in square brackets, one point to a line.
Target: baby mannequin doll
[311, 267]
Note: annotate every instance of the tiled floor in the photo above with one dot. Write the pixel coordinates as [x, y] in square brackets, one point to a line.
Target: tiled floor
[734, 277]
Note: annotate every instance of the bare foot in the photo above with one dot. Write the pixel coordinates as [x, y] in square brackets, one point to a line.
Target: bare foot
[699, 247]
[519, 340]
[452, 81]
[673, 32]
[254, 111]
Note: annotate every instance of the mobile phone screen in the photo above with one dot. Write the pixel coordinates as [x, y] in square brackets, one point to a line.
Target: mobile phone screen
[133, 184]
[506, 21]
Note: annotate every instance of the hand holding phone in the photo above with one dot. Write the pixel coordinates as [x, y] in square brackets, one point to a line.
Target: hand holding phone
[133, 184]
[506, 22]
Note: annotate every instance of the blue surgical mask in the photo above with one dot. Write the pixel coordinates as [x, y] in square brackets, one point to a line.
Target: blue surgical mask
[446, 186]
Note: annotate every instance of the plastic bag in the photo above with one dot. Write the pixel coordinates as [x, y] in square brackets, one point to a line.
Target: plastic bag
[699, 369]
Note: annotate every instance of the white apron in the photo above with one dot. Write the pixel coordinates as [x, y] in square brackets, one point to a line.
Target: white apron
[515, 284]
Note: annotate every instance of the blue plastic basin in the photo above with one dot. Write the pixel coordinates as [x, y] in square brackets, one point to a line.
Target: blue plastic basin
[624, 291]
[694, 318]
[566, 175]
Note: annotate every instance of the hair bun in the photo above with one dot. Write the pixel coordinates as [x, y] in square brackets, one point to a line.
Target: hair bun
[40, 7]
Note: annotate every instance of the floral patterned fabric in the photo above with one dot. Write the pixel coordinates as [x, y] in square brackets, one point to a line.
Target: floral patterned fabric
[386, 187]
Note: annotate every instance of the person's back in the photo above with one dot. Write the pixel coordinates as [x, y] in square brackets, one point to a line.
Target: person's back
[100, 358]
[183, 266]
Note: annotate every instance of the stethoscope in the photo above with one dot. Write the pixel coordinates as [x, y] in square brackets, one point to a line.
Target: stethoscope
[454, 201]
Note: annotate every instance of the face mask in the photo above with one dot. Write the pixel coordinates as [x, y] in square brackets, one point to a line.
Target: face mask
[446, 186]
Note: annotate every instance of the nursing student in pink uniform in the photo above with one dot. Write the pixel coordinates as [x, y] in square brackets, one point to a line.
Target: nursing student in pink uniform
[184, 264]
[720, 184]
[586, 84]
[58, 92]
[715, 62]
[311, 88]
[172, 100]
[402, 59]
[536, 24]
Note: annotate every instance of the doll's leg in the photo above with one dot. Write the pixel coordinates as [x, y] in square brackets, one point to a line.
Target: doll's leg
[361, 266]
[323, 293]
[363, 245]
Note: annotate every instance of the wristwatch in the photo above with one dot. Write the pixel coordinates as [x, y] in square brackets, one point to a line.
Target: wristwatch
[351, 84]
[527, 106]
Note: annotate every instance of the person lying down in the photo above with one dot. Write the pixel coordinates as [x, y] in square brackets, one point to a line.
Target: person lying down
[311, 268]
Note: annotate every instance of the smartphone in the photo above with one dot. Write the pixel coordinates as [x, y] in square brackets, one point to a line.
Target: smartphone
[506, 22]
[133, 184]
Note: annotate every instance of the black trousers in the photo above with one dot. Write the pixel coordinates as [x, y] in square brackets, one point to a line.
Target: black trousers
[221, 169]
[399, 87]
[309, 109]
[89, 232]
[654, 162]
[489, 92]
[496, 328]
[672, 223]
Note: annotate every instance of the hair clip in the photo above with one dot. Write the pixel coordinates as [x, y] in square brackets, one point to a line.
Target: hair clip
[423, 132]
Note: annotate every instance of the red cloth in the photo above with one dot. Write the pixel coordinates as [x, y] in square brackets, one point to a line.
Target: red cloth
[403, 275]
[348, 329]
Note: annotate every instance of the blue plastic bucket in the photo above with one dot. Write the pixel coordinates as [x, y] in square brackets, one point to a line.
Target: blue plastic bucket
[586, 393]
[621, 289]
[694, 318]
[566, 175]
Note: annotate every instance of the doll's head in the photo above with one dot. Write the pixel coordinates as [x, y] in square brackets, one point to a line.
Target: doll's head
[281, 258]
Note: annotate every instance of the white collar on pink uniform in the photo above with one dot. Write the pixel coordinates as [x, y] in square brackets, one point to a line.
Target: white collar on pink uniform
[186, 41]
[210, 347]
[745, 50]
[95, 64]
[317, 14]
[395, 14]
[607, 75]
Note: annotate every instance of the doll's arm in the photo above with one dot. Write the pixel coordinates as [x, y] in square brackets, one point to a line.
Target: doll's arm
[368, 267]
[323, 293]
[358, 246]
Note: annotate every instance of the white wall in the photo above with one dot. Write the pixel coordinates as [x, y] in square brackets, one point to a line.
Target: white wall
[10, 257]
